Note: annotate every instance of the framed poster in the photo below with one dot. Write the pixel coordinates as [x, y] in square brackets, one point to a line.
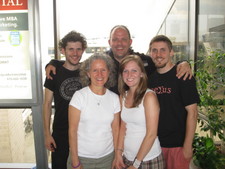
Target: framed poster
[17, 54]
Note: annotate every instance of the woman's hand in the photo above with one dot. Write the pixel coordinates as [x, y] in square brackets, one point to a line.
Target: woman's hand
[119, 164]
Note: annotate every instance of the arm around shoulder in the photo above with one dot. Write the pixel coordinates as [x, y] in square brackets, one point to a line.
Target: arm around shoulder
[184, 70]
[51, 67]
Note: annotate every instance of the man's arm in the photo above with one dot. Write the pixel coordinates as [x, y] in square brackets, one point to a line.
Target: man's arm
[191, 123]
[47, 112]
[184, 69]
[51, 67]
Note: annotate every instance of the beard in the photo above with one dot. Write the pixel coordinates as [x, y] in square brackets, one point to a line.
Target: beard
[74, 63]
[159, 66]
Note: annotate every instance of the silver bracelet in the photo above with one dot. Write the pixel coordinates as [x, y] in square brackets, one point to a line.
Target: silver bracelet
[136, 163]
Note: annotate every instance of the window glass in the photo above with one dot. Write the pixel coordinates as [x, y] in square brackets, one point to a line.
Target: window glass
[16, 136]
[211, 24]
[175, 27]
[211, 39]
[211, 52]
[95, 19]
[16, 125]
[46, 33]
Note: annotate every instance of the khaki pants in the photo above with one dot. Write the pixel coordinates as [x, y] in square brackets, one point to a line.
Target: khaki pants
[94, 163]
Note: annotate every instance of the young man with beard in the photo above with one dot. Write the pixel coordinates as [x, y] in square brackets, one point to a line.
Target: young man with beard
[178, 101]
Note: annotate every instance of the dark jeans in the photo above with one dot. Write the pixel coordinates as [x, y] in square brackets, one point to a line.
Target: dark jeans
[59, 157]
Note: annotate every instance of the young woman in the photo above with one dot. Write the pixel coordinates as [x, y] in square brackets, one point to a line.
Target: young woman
[138, 144]
[94, 117]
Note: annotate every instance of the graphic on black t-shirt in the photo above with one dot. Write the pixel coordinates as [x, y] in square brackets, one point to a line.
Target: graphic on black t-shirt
[69, 86]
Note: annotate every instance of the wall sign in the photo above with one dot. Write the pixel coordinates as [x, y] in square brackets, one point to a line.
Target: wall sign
[15, 60]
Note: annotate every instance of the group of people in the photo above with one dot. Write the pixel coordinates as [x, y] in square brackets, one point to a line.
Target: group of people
[119, 109]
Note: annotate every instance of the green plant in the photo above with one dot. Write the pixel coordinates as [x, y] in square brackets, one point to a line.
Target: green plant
[210, 78]
[206, 154]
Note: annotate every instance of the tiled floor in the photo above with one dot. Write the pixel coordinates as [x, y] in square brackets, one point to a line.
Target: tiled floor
[21, 167]
[17, 166]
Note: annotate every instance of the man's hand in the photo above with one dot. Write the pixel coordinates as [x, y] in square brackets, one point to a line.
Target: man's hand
[48, 70]
[50, 143]
[184, 69]
[188, 153]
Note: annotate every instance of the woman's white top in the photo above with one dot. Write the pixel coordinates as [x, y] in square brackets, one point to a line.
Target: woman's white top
[94, 133]
[135, 132]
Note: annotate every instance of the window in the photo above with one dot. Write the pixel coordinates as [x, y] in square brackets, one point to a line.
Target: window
[175, 27]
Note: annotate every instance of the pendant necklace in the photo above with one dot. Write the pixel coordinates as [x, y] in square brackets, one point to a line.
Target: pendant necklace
[98, 98]
[98, 103]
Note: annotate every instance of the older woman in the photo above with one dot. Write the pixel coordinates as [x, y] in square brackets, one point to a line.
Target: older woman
[93, 116]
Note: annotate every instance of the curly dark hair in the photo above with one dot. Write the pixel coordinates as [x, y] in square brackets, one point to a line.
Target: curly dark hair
[73, 36]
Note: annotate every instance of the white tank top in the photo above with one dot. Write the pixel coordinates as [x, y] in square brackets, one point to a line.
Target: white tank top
[135, 132]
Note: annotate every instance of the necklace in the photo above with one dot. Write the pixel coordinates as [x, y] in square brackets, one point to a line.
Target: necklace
[97, 98]
[98, 102]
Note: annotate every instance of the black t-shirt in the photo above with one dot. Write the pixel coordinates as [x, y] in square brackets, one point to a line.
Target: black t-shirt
[173, 95]
[63, 86]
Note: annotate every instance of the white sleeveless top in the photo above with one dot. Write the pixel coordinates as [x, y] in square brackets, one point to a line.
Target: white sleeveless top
[135, 132]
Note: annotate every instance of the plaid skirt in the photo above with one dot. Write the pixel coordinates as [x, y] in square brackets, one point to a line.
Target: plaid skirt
[156, 163]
